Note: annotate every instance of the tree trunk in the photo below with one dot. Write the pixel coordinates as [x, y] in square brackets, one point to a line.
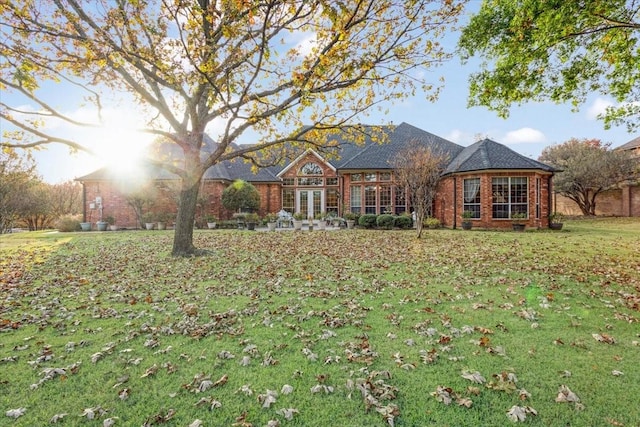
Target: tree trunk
[183, 237]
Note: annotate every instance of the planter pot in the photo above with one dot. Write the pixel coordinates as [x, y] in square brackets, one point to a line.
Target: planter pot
[351, 223]
[466, 225]
[518, 227]
[211, 225]
[556, 225]
[162, 226]
[113, 227]
[85, 226]
[251, 226]
[322, 224]
[149, 225]
[102, 225]
[297, 224]
[336, 223]
[271, 226]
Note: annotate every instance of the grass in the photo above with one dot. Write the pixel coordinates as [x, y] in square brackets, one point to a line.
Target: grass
[365, 326]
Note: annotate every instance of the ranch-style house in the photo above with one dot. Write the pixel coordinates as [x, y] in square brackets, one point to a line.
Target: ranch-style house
[486, 178]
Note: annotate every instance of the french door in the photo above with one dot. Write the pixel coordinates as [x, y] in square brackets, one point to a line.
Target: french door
[310, 202]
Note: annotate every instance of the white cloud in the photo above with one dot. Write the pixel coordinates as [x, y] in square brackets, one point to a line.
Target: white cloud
[524, 135]
[460, 137]
[599, 106]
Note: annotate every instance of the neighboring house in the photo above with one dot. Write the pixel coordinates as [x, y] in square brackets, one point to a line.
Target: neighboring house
[486, 178]
[622, 200]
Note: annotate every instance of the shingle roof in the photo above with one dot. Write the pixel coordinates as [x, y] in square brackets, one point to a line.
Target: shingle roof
[482, 155]
[488, 154]
[631, 145]
[380, 156]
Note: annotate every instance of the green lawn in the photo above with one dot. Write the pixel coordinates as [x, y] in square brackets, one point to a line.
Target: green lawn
[346, 328]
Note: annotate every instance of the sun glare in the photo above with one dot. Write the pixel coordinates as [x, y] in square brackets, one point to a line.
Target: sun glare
[121, 150]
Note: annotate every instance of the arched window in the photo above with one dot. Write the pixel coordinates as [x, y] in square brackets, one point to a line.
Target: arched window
[310, 169]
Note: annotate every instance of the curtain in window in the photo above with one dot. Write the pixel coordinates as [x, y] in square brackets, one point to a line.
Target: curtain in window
[472, 186]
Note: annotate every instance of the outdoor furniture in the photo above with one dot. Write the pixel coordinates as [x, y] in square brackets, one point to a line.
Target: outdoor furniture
[285, 219]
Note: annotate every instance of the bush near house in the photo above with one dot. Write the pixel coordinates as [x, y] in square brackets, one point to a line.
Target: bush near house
[367, 220]
[385, 221]
[403, 221]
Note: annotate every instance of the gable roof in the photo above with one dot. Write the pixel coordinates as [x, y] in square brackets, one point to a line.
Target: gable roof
[488, 154]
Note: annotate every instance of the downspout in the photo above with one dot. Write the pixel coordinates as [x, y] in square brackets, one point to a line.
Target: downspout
[455, 201]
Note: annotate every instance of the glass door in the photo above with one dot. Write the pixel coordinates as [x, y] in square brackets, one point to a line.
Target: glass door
[310, 202]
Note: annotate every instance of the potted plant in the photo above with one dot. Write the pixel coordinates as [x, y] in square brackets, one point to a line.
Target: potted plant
[466, 220]
[298, 217]
[271, 220]
[555, 221]
[351, 218]
[112, 223]
[251, 220]
[518, 221]
[147, 220]
[86, 226]
[211, 221]
[162, 219]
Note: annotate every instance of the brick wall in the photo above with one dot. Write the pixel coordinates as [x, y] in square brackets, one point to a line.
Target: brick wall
[624, 201]
[451, 212]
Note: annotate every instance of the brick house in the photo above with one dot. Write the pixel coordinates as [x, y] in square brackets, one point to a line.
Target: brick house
[487, 178]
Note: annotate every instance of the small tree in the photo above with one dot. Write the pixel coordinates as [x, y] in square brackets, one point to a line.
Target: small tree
[16, 176]
[588, 167]
[418, 169]
[241, 196]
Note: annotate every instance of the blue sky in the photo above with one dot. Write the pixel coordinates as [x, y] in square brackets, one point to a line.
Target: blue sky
[528, 130]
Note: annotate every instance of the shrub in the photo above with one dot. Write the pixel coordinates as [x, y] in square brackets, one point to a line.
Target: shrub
[385, 221]
[432, 223]
[367, 220]
[68, 223]
[403, 221]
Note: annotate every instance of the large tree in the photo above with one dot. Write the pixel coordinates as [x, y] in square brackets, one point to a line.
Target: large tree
[231, 62]
[418, 169]
[556, 49]
[587, 168]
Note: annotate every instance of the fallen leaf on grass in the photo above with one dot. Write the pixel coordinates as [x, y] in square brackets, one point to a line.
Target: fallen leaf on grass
[287, 413]
[56, 418]
[476, 376]
[607, 339]
[519, 413]
[566, 395]
[15, 413]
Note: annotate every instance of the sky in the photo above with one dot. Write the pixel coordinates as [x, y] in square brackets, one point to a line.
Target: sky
[527, 130]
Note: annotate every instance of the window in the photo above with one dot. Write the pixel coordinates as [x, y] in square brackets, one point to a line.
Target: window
[471, 189]
[509, 196]
[385, 176]
[310, 181]
[356, 198]
[385, 199]
[289, 200]
[356, 177]
[400, 200]
[331, 201]
[370, 177]
[310, 169]
[370, 199]
[288, 181]
[538, 182]
[332, 181]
